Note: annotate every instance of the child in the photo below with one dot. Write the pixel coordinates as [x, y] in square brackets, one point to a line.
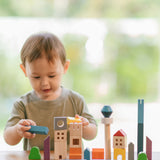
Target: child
[44, 63]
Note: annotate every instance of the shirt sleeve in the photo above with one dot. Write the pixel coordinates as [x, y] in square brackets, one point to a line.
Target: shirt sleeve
[17, 113]
[83, 110]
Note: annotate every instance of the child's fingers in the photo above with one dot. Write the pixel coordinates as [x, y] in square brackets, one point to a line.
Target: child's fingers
[25, 128]
[85, 123]
[77, 116]
[28, 135]
[31, 122]
[27, 122]
[24, 122]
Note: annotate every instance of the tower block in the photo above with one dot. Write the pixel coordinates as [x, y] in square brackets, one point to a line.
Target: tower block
[140, 126]
[60, 138]
[107, 111]
[120, 144]
[75, 130]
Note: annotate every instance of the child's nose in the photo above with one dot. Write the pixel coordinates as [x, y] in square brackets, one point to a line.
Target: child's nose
[44, 82]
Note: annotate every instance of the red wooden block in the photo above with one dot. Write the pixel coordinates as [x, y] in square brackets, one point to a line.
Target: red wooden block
[149, 148]
[120, 133]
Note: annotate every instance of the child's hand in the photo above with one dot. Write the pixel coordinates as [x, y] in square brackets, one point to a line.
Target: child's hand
[22, 126]
[85, 121]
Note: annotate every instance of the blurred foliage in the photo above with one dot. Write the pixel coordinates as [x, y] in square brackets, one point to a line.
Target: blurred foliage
[130, 65]
[80, 8]
[82, 76]
[135, 63]
[129, 70]
[12, 81]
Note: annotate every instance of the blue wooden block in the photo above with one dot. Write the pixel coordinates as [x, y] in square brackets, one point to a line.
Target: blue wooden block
[140, 125]
[87, 154]
[140, 110]
[38, 130]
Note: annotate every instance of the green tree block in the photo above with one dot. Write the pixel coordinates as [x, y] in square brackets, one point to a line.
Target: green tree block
[142, 156]
[34, 153]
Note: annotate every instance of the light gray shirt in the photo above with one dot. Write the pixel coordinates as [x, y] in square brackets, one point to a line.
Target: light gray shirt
[43, 112]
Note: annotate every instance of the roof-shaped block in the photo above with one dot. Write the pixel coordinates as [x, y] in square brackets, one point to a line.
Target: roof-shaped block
[120, 133]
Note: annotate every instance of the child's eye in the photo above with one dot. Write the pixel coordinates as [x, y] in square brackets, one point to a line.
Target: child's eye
[36, 77]
[52, 76]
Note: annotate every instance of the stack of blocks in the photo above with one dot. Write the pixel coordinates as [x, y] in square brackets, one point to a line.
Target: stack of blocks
[75, 150]
[62, 124]
[119, 144]
[60, 138]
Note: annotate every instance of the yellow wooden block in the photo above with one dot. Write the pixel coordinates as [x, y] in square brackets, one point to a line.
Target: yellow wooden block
[73, 120]
[119, 151]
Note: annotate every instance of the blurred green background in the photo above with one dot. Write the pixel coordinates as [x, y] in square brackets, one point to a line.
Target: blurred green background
[114, 51]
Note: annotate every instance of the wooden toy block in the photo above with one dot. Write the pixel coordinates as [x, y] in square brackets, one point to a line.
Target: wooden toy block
[131, 151]
[73, 120]
[107, 120]
[75, 129]
[97, 153]
[75, 135]
[119, 151]
[75, 156]
[107, 111]
[60, 151]
[87, 155]
[60, 148]
[119, 144]
[120, 139]
[60, 138]
[47, 148]
[140, 125]
[142, 156]
[120, 133]
[34, 153]
[149, 148]
[39, 130]
[60, 123]
[75, 153]
[75, 142]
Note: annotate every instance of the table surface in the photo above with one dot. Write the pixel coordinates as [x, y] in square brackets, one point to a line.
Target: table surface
[23, 155]
[19, 155]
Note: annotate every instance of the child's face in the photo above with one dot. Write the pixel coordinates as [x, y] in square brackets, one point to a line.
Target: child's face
[45, 77]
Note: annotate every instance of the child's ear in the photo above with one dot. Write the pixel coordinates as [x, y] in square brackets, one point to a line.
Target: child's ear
[66, 66]
[23, 69]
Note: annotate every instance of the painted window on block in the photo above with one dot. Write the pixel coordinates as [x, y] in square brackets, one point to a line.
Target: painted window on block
[75, 141]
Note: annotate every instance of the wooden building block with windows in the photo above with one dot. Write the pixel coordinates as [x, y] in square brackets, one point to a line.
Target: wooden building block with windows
[75, 151]
[120, 139]
[120, 144]
[60, 137]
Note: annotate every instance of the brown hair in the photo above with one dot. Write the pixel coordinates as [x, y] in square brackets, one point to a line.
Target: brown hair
[47, 43]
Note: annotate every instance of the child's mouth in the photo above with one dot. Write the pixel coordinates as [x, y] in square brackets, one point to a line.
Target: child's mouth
[46, 90]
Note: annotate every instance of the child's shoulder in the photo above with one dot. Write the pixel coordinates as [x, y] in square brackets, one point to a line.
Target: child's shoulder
[26, 98]
[72, 94]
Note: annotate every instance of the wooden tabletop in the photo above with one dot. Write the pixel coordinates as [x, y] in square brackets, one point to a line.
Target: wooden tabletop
[23, 155]
[19, 155]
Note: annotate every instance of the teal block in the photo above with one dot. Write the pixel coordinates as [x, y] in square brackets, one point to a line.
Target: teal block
[87, 154]
[39, 130]
[140, 110]
[140, 125]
